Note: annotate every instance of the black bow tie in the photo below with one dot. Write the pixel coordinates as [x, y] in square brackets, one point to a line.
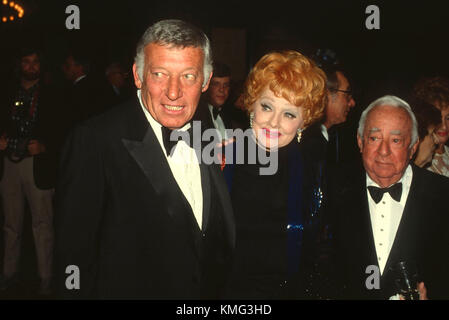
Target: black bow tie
[395, 192]
[171, 144]
[216, 112]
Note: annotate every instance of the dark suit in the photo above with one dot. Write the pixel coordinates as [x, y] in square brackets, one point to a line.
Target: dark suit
[48, 131]
[421, 235]
[109, 97]
[83, 99]
[232, 117]
[314, 143]
[124, 221]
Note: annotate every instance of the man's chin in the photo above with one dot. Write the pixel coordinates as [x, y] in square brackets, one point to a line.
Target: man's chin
[174, 124]
[30, 77]
[384, 176]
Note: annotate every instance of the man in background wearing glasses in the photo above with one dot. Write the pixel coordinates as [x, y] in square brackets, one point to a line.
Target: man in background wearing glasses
[322, 148]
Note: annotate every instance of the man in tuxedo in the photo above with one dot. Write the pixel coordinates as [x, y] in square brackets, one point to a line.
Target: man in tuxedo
[322, 142]
[389, 211]
[322, 139]
[135, 218]
[83, 91]
[213, 110]
[116, 89]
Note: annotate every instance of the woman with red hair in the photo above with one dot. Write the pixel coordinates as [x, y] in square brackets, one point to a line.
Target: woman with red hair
[276, 214]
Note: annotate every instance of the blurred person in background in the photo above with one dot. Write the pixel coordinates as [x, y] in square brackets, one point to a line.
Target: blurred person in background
[429, 120]
[435, 91]
[29, 147]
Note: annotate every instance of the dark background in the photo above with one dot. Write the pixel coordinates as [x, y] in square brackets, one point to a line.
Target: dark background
[412, 41]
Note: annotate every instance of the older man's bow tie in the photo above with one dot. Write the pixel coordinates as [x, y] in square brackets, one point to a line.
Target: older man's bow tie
[169, 144]
[395, 192]
[216, 112]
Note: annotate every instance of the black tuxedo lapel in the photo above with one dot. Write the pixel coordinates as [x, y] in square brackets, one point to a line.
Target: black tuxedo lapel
[404, 243]
[363, 228]
[353, 234]
[149, 156]
[218, 180]
[205, 186]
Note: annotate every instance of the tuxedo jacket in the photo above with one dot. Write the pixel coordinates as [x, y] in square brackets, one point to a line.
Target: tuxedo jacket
[314, 143]
[109, 98]
[232, 117]
[421, 238]
[124, 222]
[84, 99]
[203, 114]
[48, 130]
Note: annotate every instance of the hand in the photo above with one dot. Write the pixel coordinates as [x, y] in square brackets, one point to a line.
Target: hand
[422, 291]
[35, 147]
[3, 143]
[425, 153]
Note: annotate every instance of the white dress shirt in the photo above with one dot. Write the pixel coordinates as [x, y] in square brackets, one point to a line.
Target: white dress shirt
[218, 124]
[324, 132]
[184, 166]
[79, 79]
[386, 217]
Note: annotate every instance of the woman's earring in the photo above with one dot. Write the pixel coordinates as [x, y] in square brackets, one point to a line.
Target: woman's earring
[299, 133]
[251, 116]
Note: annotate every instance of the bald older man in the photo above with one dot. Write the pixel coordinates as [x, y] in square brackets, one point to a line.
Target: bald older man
[389, 211]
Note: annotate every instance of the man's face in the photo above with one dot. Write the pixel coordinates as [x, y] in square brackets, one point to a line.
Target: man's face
[70, 69]
[117, 77]
[339, 103]
[219, 90]
[30, 67]
[171, 84]
[385, 144]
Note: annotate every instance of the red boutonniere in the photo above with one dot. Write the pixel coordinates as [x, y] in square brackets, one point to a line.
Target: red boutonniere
[223, 162]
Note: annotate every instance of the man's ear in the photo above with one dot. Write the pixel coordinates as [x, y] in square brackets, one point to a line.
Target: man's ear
[414, 148]
[137, 80]
[360, 143]
[204, 88]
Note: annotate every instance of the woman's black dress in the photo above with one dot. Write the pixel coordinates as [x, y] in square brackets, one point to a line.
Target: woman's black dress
[260, 204]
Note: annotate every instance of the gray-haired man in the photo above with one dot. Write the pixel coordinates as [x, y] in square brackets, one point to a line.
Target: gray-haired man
[136, 221]
[389, 211]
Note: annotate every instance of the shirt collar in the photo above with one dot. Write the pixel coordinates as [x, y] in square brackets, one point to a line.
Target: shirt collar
[324, 132]
[79, 79]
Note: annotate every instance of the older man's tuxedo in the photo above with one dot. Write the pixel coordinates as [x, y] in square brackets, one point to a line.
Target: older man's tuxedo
[123, 220]
[421, 237]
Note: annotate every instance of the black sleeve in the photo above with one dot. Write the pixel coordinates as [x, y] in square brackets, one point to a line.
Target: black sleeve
[79, 206]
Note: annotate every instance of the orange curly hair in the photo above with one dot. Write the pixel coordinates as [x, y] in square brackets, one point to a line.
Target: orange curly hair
[292, 76]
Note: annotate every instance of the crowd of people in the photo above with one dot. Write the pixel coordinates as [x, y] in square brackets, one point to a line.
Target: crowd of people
[121, 210]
